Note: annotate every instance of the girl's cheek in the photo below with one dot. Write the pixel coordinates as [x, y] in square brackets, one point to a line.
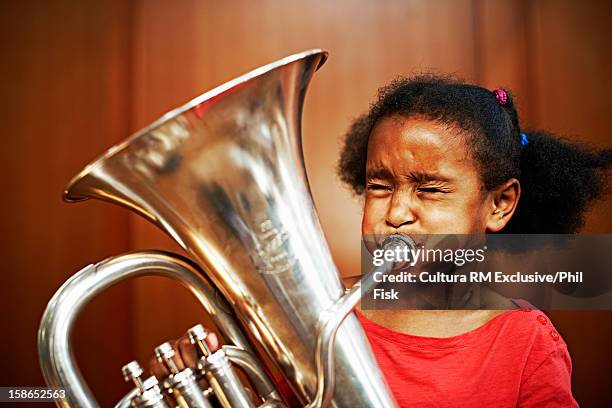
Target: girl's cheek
[373, 214]
[436, 220]
[458, 221]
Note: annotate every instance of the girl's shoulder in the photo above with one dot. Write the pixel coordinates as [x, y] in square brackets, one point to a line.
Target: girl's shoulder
[531, 336]
[534, 325]
[526, 326]
[546, 365]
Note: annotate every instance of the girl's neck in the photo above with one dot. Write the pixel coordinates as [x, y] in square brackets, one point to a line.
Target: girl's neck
[431, 323]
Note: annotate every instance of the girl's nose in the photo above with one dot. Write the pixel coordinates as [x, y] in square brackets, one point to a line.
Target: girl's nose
[400, 212]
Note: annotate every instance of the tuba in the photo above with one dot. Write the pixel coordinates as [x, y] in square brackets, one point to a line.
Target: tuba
[224, 176]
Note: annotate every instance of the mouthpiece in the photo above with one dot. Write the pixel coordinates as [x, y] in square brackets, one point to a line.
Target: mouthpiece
[398, 241]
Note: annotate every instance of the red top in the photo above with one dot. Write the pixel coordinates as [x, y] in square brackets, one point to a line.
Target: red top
[516, 359]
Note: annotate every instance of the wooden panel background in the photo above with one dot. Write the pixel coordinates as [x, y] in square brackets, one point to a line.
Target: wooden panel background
[80, 76]
[65, 99]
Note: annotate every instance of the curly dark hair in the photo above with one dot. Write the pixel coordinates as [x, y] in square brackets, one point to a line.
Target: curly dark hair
[559, 178]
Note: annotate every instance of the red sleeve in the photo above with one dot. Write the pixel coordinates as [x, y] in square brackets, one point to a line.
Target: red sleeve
[547, 380]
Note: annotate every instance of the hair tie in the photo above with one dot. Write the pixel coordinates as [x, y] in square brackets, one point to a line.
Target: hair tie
[524, 140]
[501, 95]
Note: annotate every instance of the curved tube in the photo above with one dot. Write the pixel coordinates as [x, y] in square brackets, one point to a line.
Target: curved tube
[330, 321]
[332, 318]
[54, 345]
[245, 360]
[126, 401]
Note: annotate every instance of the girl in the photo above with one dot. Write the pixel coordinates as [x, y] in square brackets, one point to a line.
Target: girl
[437, 156]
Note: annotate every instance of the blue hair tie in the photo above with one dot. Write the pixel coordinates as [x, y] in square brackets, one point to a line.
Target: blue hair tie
[524, 140]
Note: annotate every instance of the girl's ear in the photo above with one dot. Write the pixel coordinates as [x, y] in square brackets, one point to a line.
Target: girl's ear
[504, 201]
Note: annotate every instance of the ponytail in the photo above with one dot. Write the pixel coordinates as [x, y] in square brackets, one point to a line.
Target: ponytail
[559, 180]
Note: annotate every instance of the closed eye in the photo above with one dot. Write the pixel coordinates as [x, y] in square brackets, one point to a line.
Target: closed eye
[432, 190]
[378, 187]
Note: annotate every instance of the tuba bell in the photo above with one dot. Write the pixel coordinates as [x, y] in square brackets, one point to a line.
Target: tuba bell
[224, 176]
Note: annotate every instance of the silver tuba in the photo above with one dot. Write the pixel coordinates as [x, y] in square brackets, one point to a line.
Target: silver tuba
[224, 176]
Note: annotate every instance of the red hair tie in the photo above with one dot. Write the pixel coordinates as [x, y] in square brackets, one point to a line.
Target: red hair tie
[501, 96]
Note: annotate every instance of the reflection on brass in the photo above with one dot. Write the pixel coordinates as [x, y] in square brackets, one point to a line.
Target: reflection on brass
[224, 176]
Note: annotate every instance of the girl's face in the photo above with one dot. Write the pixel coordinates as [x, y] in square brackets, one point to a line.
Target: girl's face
[421, 180]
